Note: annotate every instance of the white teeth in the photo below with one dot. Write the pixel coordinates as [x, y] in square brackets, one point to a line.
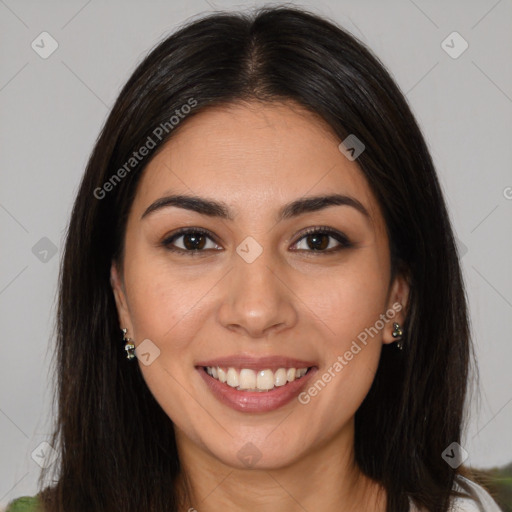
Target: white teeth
[221, 375]
[290, 374]
[251, 380]
[265, 379]
[232, 378]
[280, 377]
[247, 379]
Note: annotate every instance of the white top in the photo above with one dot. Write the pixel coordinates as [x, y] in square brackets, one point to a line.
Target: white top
[468, 504]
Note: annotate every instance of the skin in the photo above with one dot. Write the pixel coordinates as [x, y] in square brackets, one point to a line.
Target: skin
[255, 157]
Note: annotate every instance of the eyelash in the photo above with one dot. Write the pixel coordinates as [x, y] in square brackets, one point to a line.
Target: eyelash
[339, 237]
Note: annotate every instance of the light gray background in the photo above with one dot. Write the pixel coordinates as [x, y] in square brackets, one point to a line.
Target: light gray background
[52, 110]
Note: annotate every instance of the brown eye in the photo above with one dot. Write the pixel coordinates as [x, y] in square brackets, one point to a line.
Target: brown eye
[323, 240]
[194, 241]
[318, 241]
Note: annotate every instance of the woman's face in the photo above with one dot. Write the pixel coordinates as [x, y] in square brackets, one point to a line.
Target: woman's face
[252, 298]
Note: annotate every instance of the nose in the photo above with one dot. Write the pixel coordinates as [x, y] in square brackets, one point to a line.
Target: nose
[258, 300]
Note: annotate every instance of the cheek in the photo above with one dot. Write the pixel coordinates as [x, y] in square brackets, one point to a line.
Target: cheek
[351, 304]
[351, 299]
[167, 310]
[163, 303]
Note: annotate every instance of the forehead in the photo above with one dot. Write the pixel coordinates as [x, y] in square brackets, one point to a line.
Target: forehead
[253, 156]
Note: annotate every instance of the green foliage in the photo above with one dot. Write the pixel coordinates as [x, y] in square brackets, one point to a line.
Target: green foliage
[23, 504]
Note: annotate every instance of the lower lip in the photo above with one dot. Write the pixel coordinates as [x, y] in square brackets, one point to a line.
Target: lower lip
[255, 401]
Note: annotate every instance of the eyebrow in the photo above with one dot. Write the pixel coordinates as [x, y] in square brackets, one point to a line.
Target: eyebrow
[213, 208]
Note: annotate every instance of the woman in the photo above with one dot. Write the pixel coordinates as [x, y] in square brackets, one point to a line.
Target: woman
[261, 304]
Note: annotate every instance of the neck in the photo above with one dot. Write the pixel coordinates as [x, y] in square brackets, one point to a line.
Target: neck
[326, 478]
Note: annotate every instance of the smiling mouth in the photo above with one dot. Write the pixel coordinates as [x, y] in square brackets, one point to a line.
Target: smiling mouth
[247, 379]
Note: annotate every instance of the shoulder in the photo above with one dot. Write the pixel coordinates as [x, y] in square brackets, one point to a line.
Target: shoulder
[478, 501]
[23, 504]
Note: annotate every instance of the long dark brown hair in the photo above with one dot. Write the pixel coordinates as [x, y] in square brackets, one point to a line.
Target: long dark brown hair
[116, 444]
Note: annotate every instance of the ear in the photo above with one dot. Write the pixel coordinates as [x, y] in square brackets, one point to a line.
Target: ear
[396, 307]
[117, 284]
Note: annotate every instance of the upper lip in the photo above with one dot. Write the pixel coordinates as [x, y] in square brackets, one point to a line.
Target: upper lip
[257, 363]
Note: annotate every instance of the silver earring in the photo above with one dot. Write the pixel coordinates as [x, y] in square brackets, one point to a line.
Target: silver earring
[128, 346]
[397, 332]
